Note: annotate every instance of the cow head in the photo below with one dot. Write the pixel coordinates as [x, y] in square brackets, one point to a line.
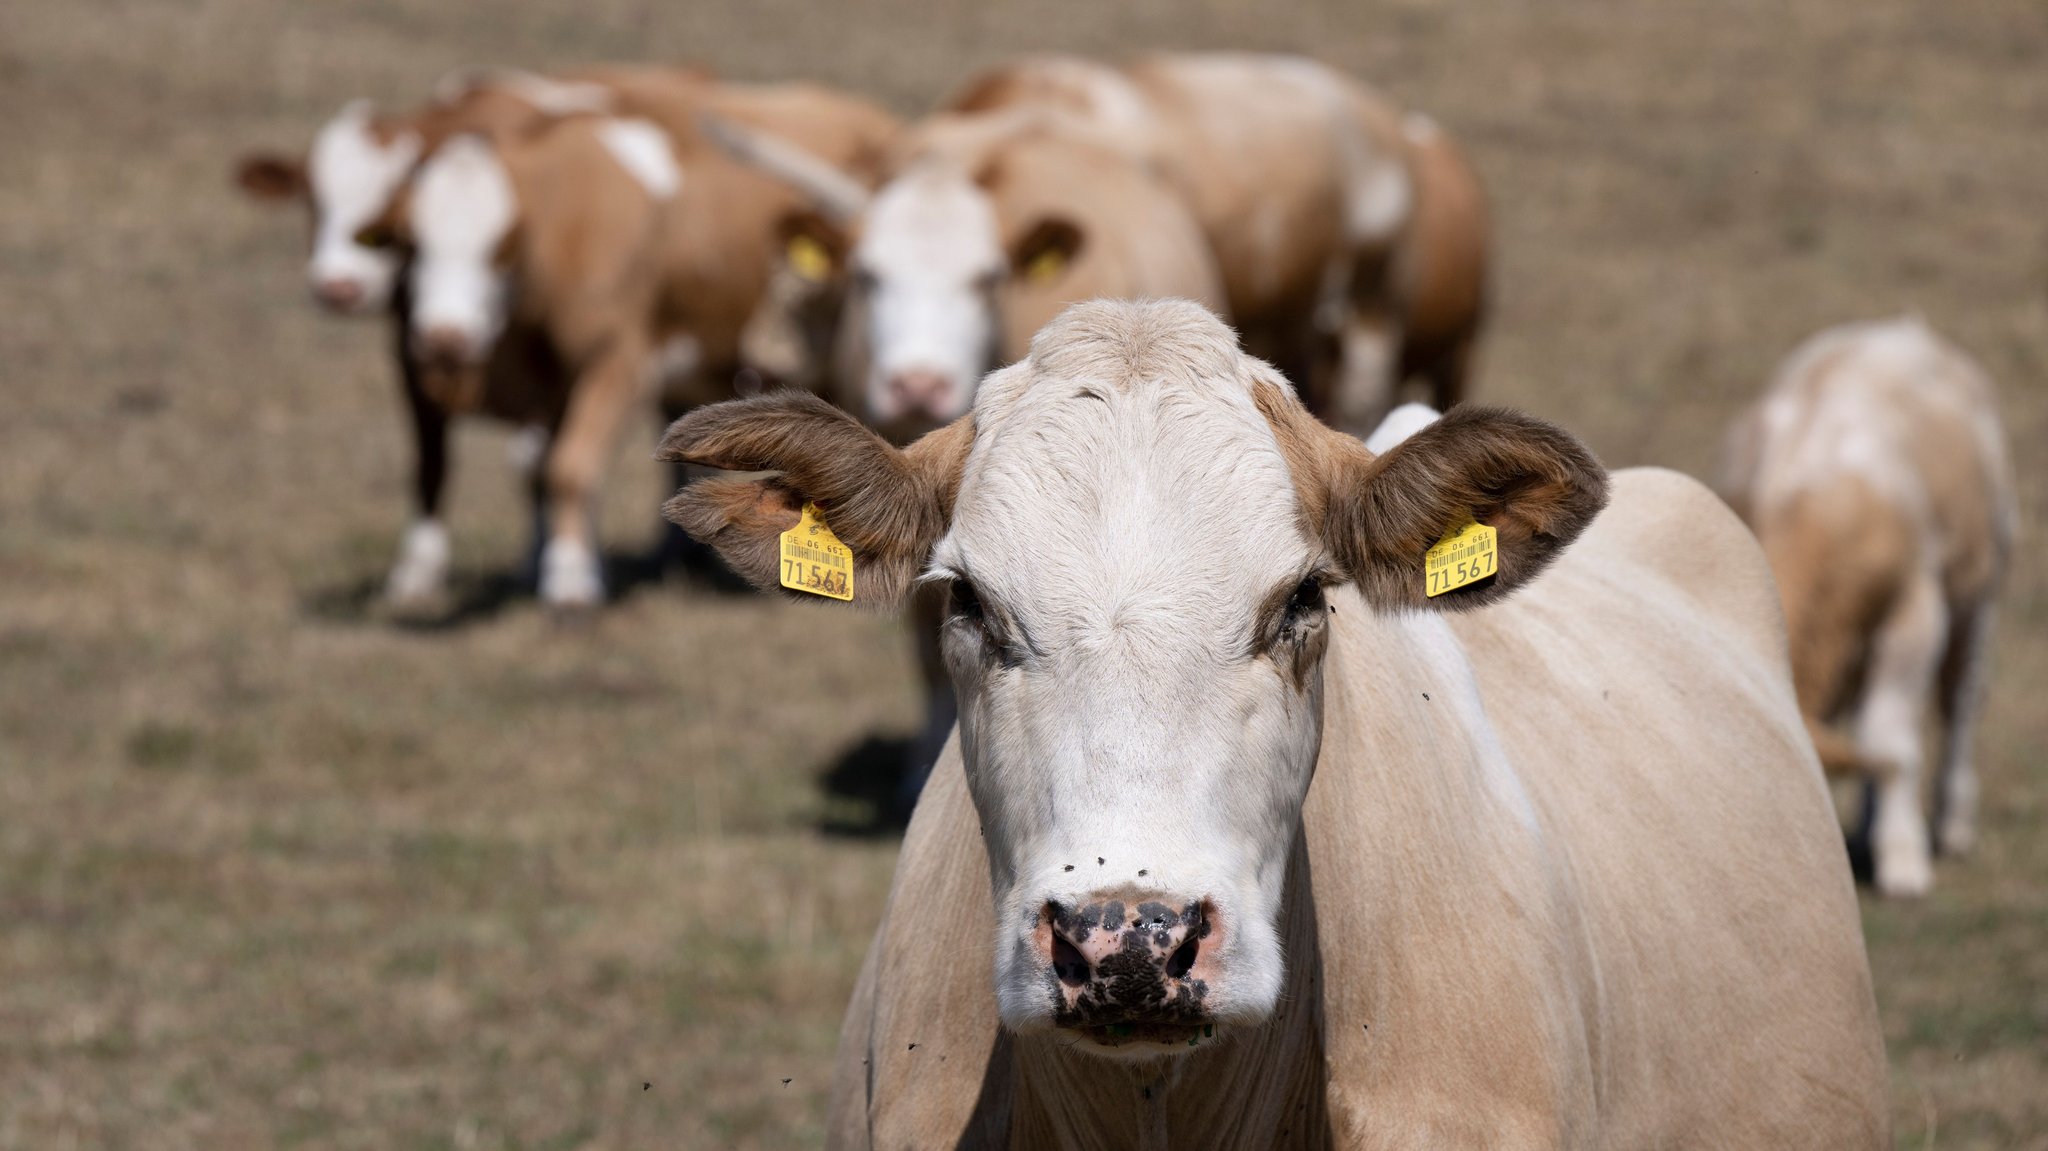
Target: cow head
[1138, 527]
[459, 219]
[918, 270]
[347, 182]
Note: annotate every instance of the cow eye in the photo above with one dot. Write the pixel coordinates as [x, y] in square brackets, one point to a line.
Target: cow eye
[964, 604]
[1305, 607]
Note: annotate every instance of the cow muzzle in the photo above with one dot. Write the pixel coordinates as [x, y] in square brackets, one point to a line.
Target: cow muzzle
[340, 293]
[451, 368]
[1133, 969]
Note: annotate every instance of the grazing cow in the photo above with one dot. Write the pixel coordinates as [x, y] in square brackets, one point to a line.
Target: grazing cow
[1264, 845]
[1306, 187]
[1875, 473]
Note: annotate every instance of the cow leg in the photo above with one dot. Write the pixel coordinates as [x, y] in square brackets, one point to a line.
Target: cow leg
[1961, 694]
[1449, 375]
[1904, 658]
[421, 570]
[570, 571]
[1369, 356]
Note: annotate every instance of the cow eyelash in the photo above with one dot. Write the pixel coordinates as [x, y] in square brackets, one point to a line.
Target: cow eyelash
[1306, 606]
[964, 603]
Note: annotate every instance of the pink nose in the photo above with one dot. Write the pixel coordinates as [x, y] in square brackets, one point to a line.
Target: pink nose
[443, 347]
[1132, 969]
[921, 391]
[341, 295]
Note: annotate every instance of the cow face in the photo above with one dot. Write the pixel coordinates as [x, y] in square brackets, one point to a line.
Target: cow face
[1138, 528]
[460, 218]
[352, 173]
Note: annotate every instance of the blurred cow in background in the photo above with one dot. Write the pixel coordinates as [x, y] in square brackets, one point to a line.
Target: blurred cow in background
[1875, 472]
[1350, 241]
[525, 288]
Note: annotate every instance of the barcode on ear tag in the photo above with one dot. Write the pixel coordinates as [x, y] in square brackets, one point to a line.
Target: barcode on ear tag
[813, 559]
[1466, 554]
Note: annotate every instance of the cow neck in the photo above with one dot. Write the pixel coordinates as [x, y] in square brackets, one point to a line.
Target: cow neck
[1258, 1088]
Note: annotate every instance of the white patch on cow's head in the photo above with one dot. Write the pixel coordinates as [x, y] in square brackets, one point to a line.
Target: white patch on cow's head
[925, 272]
[1139, 660]
[643, 150]
[352, 176]
[462, 208]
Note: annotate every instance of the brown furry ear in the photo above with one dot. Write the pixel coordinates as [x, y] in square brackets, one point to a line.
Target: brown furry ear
[269, 176]
[888, 505]
[1533, 482]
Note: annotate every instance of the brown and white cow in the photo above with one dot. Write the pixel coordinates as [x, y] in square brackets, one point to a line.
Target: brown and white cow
[1264, 846]
[347, 181]
[1875, 472]
[636, 248]
[1306, 187]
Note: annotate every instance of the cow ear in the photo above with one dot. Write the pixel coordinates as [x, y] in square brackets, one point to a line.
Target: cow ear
[1534, 483]
[888, 505]
[812, 246]
[270, 177]
[1046, 248]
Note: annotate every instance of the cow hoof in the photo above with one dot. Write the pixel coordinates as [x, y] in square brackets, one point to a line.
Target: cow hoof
[570, 577]
[1904, 875]
[421, 573]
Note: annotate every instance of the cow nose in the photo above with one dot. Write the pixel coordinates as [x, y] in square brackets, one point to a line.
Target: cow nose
[339, 294]
[921, 392]
[1131, 967]
[443, 347]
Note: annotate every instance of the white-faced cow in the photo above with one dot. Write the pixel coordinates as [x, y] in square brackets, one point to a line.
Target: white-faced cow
[638, 251]
[347, 182]
[1875, 472]
[1307, 189]
[1265, 846]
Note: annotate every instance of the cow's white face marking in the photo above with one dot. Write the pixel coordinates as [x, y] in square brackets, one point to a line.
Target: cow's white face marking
[643, 150]
[1138, 694]
[352, 176]
[462, 208]
[925, 273]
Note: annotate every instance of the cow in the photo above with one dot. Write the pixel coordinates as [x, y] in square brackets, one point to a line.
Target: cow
[464, 347]
[1308, 189]
[1246, 840]
[1875, 472]
[359, 160]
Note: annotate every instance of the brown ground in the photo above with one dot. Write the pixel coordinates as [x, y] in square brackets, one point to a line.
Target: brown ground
[277, 871]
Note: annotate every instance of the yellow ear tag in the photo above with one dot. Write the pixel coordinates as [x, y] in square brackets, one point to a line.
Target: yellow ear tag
[813, 559]
[1045, 266]
[1466, 554]
[809, 259]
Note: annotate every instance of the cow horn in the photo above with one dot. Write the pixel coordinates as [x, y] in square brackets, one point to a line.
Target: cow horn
[839, 196]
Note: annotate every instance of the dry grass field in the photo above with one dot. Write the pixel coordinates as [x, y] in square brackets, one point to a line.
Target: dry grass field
[279, 871]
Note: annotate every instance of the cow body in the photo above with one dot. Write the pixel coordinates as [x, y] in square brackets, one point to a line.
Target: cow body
[1875, 473]
[1320, 868]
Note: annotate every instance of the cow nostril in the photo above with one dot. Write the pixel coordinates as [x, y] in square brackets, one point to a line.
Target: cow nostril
[1182, 960]
[1068, 963]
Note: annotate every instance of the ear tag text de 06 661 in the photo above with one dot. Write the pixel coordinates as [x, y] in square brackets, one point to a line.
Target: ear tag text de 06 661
[1466, 554]
[813, 559]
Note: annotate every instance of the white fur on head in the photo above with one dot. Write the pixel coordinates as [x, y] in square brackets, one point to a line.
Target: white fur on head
[1128, 509]
[463, 207]
[925, 272]
[352, 176]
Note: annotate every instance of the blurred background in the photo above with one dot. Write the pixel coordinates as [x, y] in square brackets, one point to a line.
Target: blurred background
[277, 870]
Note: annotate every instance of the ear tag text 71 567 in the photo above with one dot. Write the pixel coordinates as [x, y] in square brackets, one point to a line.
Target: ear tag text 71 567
[1467, 553]
[813, 559]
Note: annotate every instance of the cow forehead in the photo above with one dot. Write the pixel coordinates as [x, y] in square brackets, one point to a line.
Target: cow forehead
[931, 224]
[353, 173]
[1117, 480]
[463, 201]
